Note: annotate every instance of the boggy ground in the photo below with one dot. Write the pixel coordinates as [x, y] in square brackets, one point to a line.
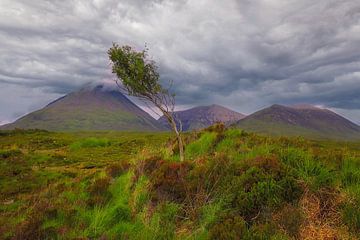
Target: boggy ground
[233, 185]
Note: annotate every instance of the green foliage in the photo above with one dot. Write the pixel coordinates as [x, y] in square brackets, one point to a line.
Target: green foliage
[137, 73]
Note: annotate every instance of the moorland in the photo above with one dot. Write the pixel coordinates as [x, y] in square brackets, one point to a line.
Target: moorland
[131, 185]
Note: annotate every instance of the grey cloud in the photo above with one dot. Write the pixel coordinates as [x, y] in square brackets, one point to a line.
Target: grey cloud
[239, 53]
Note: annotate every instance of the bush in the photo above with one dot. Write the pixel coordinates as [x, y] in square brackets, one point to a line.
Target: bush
[261, 185]
[116, 169]
[290, 219]
[167, 182]
[32, 226]
[228, 227]
[99, 193]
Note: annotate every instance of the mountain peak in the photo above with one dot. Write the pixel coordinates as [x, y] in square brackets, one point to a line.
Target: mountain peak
[104, 86]
[97, 106]
[204, 116]
[301, 120]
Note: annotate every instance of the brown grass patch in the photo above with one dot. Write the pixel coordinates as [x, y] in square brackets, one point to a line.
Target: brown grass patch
[322, 218]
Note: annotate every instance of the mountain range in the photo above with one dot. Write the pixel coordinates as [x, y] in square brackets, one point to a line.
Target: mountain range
[96, 108]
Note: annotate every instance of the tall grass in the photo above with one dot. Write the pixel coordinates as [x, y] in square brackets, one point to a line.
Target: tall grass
[201, 146]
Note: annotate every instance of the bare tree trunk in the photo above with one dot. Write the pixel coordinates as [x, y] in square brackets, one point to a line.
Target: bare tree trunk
[172, 122]
[181, 146]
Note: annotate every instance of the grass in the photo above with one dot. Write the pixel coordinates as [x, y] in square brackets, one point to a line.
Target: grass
[90, 143]
[233, 185]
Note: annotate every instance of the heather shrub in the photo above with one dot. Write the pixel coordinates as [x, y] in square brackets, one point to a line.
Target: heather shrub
[261, 185]
[167, 181]
[116, 169]
[98, 192]
[228, 227]
[290, 219]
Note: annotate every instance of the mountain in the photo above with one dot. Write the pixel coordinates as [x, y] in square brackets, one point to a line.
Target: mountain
[91, 108]
[300, 120]
[204, 116]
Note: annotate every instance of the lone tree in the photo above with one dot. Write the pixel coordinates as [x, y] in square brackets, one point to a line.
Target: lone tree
[138, 76]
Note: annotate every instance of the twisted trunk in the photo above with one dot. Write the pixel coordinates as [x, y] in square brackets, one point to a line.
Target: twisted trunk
[172, 122]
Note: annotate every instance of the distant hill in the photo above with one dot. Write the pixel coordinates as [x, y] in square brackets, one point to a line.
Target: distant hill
[204, 116]
[300, 120]
[91, 108]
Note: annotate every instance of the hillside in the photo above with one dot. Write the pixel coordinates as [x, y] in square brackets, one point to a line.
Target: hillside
[91, 108]
[300, 120]
[232, 186]
[204, 116]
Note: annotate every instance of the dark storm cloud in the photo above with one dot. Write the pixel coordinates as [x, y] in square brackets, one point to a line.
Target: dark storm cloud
[239, 53]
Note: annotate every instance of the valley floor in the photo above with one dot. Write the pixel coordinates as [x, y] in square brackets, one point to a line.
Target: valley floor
[123, 185]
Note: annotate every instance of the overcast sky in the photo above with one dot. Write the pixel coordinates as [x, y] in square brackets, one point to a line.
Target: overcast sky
[243, 54]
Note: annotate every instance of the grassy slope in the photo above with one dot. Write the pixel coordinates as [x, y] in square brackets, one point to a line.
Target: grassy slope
[95, 119]
[234, 185]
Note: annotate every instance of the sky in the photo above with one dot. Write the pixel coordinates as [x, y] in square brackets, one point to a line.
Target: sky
[243, 54]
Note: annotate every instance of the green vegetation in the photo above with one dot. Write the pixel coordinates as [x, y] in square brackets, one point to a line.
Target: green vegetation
[233, 185]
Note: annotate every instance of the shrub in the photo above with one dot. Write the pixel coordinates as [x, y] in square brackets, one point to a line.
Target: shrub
[151, 164]
[218, 127]
[99, 193]
[167, 182]
[262, 231]
[228, 227]
[269, 164]
[261, 186]
[289, 218]
[116, 169]
[32, 226]
[255, 194]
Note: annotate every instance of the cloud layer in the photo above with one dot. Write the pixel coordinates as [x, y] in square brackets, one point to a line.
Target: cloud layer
[239, 53]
